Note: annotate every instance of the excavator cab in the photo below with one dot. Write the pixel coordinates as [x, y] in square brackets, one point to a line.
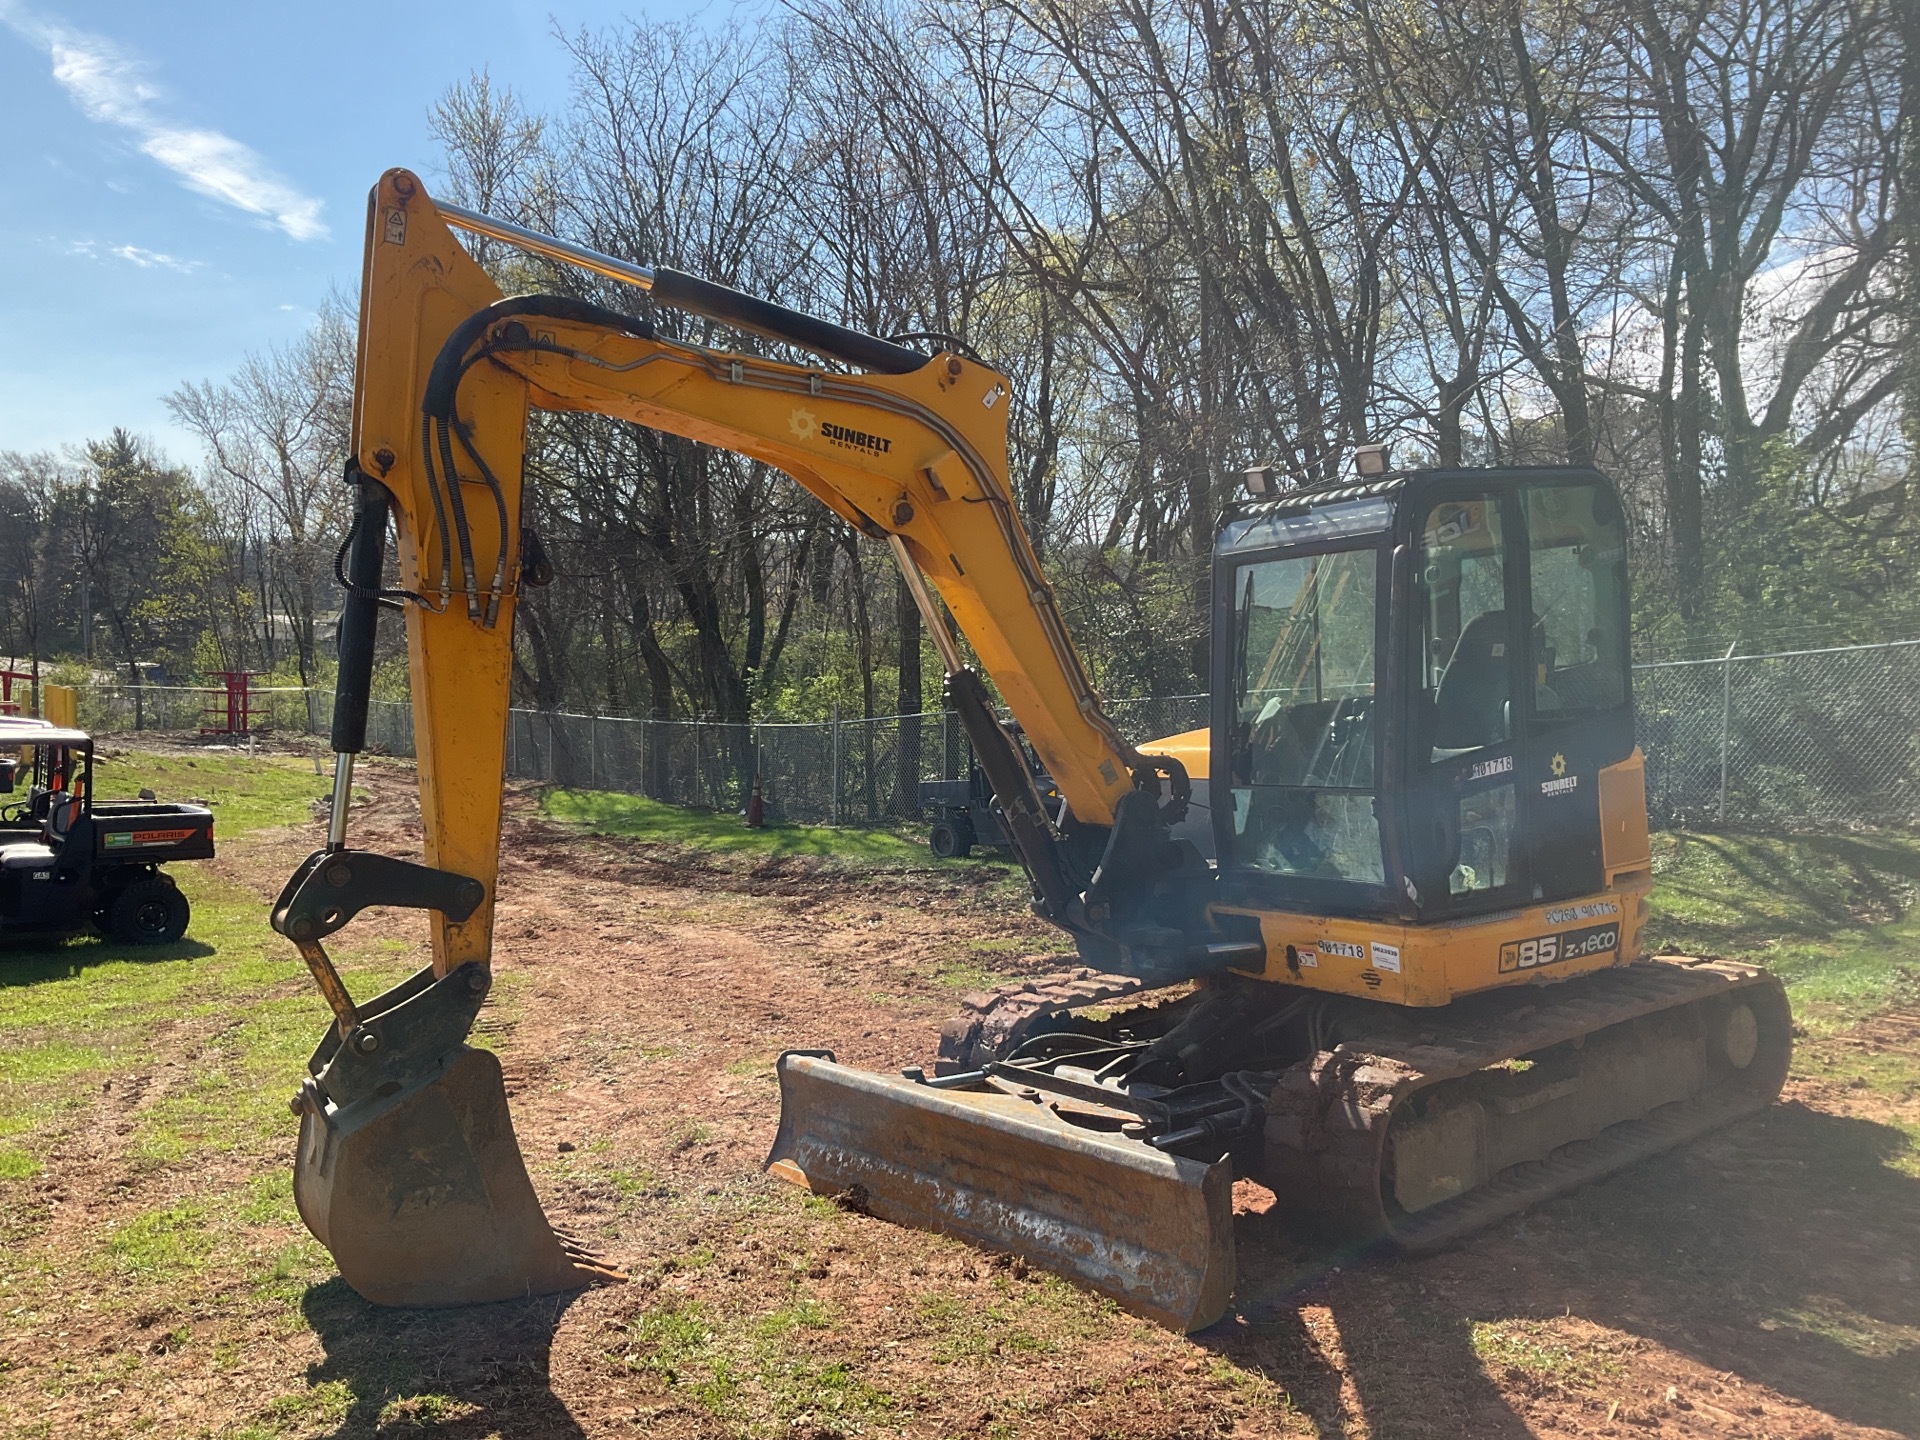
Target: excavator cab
[1426, 679]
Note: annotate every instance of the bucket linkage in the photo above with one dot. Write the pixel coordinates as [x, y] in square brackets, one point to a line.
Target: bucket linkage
[408, 1170]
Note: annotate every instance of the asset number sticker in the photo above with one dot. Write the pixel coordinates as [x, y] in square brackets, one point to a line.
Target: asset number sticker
[1553, 949]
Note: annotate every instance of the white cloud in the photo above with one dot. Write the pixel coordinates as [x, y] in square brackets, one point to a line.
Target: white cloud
[153, 259]
[112, 89]
[134, 255]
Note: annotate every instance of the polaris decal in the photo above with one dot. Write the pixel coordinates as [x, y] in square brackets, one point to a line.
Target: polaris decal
[1554, 949]
[140, 839]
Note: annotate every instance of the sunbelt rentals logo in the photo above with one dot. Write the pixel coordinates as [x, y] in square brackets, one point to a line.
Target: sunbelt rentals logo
[1562, 783]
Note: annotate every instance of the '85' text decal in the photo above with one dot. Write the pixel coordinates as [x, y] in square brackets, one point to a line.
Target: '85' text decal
[1552, 949]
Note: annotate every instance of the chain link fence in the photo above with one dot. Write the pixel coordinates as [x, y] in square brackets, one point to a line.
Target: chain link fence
[128, 709]
[1795, 737]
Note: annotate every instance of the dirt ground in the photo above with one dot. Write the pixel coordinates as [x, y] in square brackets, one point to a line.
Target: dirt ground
[1760, 1283]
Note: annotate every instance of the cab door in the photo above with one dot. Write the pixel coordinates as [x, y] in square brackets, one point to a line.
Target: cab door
[1465, 853]
[1575, 702]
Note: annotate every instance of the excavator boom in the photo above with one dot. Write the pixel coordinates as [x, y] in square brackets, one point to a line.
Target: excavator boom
[407, 1166]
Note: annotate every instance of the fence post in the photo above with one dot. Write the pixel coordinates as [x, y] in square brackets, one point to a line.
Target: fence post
[593, 751]
[833, 777]
[1726, 718]
[513, 766]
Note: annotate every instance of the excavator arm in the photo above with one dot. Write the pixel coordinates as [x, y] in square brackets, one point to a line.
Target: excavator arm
[915, 455]
[407, 1168]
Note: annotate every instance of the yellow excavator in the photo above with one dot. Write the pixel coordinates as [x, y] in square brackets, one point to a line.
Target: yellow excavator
[1407, 992]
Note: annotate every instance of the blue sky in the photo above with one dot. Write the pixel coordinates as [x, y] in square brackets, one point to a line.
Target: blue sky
[182, 183]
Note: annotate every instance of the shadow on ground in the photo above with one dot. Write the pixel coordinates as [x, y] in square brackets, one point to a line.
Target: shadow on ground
[33, 959]
[456, 1374]
[1828, 883]
[1783, 1251]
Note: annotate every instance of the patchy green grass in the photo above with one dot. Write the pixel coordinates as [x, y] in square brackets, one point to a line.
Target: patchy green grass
[1539, 1349]
[1835, 916]
[422, 1414]
[967, 975]
[747, 1366]
[85, 1017]
[635, 817]
[1832, 915]
[1868, 1336]
[162, 1245]
[243, 793]
[1029, 1315]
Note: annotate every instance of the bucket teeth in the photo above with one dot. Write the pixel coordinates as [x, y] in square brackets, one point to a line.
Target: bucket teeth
[1152, 1230]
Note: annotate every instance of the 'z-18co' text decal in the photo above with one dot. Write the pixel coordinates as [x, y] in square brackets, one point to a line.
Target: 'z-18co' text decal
[1552, 949]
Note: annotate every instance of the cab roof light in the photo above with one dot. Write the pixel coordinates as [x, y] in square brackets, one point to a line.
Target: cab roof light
[1371, 461]
[1264, 481]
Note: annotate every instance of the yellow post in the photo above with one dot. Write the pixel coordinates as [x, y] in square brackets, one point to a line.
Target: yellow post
[60, 705]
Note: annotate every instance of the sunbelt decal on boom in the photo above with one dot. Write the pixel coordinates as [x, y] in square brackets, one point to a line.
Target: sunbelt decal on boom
[804, 424]
[854, 439]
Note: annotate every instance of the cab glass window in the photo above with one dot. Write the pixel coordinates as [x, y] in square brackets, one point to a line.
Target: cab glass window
[1465, 631]
[1486, 825]
[1303, 737]
[1577, 651]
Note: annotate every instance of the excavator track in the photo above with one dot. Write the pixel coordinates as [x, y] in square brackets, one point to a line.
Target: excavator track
[1418, 1127]
[1510, 1098]
[1370, 1132]
[990, 1023]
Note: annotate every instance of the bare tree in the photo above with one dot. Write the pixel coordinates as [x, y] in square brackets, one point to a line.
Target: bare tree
[275, 435]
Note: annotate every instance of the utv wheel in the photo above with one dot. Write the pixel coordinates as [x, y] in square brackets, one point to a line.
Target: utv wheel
[950, 839]
[149, 912]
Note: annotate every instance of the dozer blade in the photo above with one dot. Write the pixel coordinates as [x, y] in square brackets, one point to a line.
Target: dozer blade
[408, 1171]
[1152, 1230]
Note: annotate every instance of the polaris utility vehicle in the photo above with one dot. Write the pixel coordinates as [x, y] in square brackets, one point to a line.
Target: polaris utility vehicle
[68, 861]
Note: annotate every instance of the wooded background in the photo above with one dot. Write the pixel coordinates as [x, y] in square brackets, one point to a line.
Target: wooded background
[1677, 240]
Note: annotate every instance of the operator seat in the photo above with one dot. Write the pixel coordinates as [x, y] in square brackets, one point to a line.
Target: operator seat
[1470, 706]
[62, 808]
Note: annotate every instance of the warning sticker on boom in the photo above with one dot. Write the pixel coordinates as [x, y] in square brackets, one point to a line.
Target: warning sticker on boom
[1553, 949]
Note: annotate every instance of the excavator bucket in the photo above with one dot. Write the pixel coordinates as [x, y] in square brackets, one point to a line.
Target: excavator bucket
[408, 1170]
[1152, 1230]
